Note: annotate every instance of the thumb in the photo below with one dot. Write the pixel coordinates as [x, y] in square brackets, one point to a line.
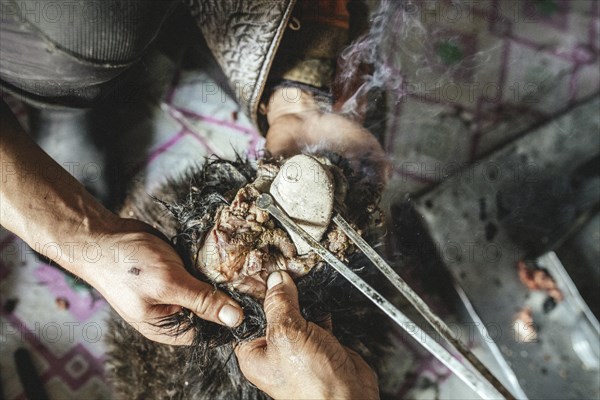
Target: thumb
[284, 320]
[207, 302]
[281, 309]
[281, 300]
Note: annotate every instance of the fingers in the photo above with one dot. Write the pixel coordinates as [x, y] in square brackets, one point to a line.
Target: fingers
[284, 326]
[281, 300]
[281, 307]
[289, 101]
[207, 302]
[252, 358]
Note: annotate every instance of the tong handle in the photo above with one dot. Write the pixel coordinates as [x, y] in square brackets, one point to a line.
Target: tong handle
[482, 387]
[417, 302]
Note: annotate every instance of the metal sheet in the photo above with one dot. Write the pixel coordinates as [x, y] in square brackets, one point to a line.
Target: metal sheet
[488, 216]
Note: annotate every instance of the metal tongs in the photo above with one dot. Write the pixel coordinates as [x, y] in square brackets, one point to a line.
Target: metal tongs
[470, 369]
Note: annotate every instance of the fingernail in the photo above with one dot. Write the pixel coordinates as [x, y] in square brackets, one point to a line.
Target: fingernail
[274, 279]
[229, 315]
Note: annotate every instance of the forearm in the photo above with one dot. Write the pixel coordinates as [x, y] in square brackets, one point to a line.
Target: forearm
[138, 273]
[42, 203]
[293, 106]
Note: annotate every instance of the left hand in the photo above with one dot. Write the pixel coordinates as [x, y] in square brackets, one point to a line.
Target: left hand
[297, 123]
[144, 280]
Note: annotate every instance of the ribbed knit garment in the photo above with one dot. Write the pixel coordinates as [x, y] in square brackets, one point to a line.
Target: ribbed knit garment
[71, 52]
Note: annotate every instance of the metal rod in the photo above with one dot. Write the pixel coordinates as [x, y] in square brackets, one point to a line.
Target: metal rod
[491, 345]
[436, 322]
[482, 387]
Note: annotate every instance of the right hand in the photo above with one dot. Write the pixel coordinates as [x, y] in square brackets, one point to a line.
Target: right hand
[299, 359]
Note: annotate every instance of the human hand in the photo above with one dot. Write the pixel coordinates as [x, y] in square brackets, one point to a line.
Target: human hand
[297, 123]
[139, 274]
[298, 358]
[144, 280]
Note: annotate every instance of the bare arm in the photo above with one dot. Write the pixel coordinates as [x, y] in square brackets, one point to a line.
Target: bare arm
[296, 123]
[139, 274]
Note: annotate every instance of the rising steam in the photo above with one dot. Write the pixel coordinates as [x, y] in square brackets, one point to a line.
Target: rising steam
[377, 49]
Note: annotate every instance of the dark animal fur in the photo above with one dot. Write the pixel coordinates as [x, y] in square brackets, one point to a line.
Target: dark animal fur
[183, 210]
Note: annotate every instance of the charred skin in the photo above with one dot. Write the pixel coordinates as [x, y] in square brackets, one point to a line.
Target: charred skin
[223, 238]
[245, 246]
